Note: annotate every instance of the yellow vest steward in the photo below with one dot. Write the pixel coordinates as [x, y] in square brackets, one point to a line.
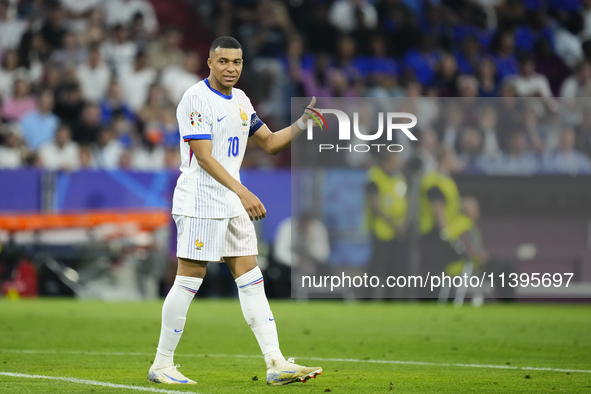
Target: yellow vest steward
[454, 218]
[392, 200]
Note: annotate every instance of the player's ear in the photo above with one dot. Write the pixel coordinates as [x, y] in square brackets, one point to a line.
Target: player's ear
[209, 62]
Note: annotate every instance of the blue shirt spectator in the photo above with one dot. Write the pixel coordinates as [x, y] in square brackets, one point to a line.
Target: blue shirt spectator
[39, 126]
[518, 161]
[566, 160]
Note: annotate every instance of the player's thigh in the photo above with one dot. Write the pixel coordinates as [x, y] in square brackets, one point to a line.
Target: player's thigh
[240, 245]
[240, 265]
[192, 268]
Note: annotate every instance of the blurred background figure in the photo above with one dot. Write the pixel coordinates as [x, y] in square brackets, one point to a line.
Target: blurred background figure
[386, 216]
[61, 154]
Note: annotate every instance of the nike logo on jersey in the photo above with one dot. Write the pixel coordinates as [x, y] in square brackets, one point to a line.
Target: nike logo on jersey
[271, 319]
[220, 119]
[175, 330]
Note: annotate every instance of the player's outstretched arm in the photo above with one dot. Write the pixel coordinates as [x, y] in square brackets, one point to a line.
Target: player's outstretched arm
[202, 150]
[275, 142]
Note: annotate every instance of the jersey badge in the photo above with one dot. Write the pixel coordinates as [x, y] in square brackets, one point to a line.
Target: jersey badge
[244, 117]
[196, 118]
[198, 245]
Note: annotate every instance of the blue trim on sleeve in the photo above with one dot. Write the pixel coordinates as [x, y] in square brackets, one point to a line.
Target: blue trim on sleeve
[197, 137]
[255, 124]
[224, 96]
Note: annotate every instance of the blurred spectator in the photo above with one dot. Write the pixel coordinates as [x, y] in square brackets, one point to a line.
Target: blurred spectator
[568, 46]
[529, 83]
[107, 150]
[322, 35]
[469, 148]
[172, 160]
[351, 15]
[61, 154]
[306, 247]
[177, 79]
[166, 51]
[469, 56]
[39, 126]
[12, 150]
[70, 55]
[427, 151]
[446, 77]
[113, 103]
[86, 161]
[170, 127]
[488, 124]
[578, 84]
[565, 159]
[531, 125]
[53, 29]
[94, 76]
[449, 128]
[551, 65]
[119, 51]
[155, 104]
[517, 161]
[150, 157]
[121, 12]
[535, 29]
[11, 29]
[93, 32]
[136, 81]
[486, 73]
[467, 86]
[87, 128]
[20, 103]
[33, 55]
[9, 72]
[69, 104]
[423, 61]
[504, 55]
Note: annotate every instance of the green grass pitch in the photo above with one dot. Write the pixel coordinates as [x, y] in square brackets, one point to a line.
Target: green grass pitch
[115, 342]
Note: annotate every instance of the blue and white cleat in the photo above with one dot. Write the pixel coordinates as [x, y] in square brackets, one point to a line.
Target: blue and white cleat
[169, 375]
[290, 373]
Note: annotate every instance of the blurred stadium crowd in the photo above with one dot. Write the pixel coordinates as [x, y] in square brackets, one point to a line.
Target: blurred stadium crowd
[94, 84]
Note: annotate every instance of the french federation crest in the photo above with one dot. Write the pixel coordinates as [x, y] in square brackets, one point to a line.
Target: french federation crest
[244, 117]
[198, 245]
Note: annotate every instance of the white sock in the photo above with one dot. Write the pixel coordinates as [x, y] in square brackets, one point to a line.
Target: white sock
[174, 312]
[258, 315]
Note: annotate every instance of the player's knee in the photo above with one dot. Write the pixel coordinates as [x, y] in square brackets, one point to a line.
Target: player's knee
[192, 268]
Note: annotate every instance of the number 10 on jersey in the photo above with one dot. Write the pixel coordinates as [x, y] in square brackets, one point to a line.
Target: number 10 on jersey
[234, 146]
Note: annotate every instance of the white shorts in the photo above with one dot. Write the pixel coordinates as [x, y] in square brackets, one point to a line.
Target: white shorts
[212, 239]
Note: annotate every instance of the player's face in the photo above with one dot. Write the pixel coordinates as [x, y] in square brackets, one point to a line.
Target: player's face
[225, 67]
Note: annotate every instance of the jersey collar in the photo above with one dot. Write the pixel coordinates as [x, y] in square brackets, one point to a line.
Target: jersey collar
[224, 96]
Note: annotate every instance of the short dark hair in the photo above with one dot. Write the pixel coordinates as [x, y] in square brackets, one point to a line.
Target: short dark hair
[225, 42]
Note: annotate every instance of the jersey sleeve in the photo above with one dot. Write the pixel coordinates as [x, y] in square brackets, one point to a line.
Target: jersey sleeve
[194, 117]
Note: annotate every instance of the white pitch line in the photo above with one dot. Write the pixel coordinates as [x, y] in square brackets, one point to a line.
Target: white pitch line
[94, 383]
[346, 360]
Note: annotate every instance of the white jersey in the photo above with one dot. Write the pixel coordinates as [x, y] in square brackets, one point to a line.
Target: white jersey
[228, 120]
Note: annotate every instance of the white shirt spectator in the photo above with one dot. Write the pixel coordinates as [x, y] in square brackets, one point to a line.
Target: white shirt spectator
[80, 6]
[315, 241]
[532, 85]
[571, 87]
[10, 158]
[11, 32]
[119, 55]
[148, 160]
[94, 82]
[136, 85]
[107, 157]
[122, 12]
[56, 158]
[568, 46]
[342, 15]
[177, 80]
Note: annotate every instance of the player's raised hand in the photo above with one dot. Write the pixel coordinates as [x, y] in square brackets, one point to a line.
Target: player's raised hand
[307, 112]
[253, 206]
